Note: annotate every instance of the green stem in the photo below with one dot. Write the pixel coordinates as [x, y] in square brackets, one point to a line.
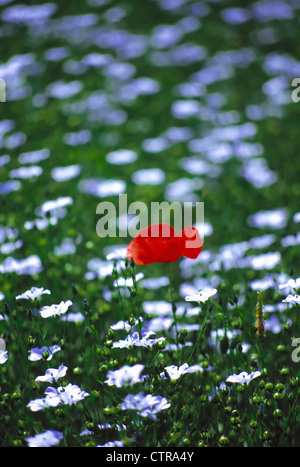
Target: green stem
[171, 291]
[199, 334]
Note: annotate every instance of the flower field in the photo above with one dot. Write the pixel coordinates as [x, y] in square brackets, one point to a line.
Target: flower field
[109, 339]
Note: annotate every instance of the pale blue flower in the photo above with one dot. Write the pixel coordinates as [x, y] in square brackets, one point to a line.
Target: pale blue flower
[293, 299]
[67, 395]
[291, 285]
[135, 340]
[53, 374]
[175, 372]
[111, 444]
[44, 440]
[30, 265]
[40, 404]
[146, 406]
[123, 325]
[125, 376]
[70, 394]
[243, 377]
[73, 317]
[3, 356]
[36, 353]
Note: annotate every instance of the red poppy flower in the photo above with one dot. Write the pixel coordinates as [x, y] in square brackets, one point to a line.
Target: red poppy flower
[159, 243]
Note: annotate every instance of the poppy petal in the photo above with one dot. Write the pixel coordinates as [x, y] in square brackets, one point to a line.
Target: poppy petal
[192, 243]
[157, 243]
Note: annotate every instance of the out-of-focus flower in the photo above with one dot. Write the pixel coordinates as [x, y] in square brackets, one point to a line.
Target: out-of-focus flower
[55, 310]
[124, 325]
[293, 299]
[53, 374]
[111, 444]
[243, 377]
[292, 284]
[202, 296]
[36, 353]
[33, 293]
[125, 376]
[44, 440]
[146, 406]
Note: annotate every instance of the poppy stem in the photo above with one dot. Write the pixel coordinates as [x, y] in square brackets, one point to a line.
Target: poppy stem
[171, 291]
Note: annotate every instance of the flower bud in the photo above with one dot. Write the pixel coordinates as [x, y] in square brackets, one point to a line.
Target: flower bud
[277, 413]
[223, 440]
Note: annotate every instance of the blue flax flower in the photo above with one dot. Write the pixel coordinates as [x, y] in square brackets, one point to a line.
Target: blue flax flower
[36, 354]
[45, 440]
[53, 374]
[135, 340]
[243, 377]
[68, 395]
[125, 376]
[146, 406]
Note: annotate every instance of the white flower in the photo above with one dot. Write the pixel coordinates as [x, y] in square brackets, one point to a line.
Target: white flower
[55, 310]
[125, 376]
[53, 374]
[243, 377]
[36, 354]
[33, 293]
[293, 299]
[175, 372]
[202, 296]
[44, 440]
